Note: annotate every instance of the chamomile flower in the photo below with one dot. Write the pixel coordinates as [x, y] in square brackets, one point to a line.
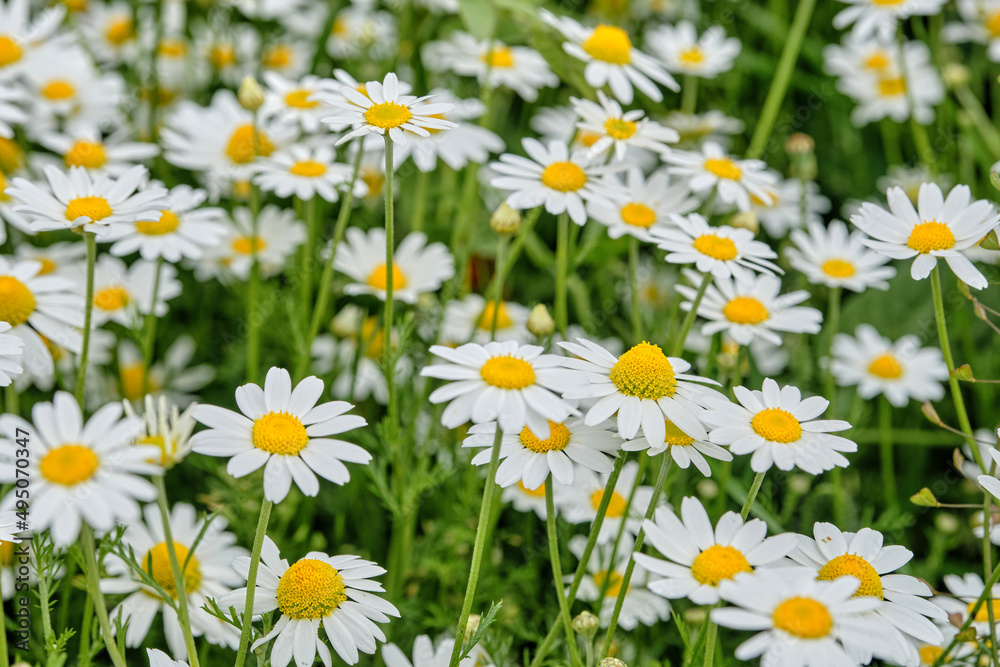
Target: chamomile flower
[109, 30]
[938, 227]
[784, 211]
[897, 92]
[294, 102]
[648, 204]
[425, 654]
[359, 30]
[723, 251]
[63, 258]
[417, 268]
[283, 430]
[579, 503]
[967, 590]
[304, 172]
[68, 91]
[901, 371]
[125, 294]
[872, 57]
[470, 319]
[700, 558]
[681, 50]
[829, 255]
[205, 554]
[752, 308]
[81, 472]
[779, 428]
[684, 449]
[526, 500]
[23, 35]
[879, 17]
[694, 129]
[361, 359]
[278, 235]
[94, 203]
[611, 59]
[286, 56]
[88, 148]
[735, 181]
[336, 592]
[980, 24]
[173, 376]
[10, 353]
[619, 130]
[383, 108]
[165, 426]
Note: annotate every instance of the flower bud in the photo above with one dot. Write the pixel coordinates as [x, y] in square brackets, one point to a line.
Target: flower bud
[745, 220]
[586, 625]
[250, 94]
[505, 220]
[540, 323]
[800, 144]
[955, 75]
[995, 175]
[612, 662]
[801, 151]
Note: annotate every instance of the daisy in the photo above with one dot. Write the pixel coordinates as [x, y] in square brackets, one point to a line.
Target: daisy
[507, 382]
[835, 554]
[877, 16]
[684, 449]
[81, 472]
[900, 371]
[470, 319]
[425, 654]
[898, 93]
[861, 57]
[723, 251]
[967, 590]
[980, 24]
[88, 148]
[286, 56]
[206, 567]
[734, 181]
[63, 258]
[109, 31]
[911, 179]
[165, 426]
[700, 558]
[648, 203]
[682, 52]
[550, 175]
[384, 108]
[10, 111]
[779, 428]
[784, 211]
[304, 172]
[331, 91]
[802, 622]
[694, 129]
[125, 294]
[360, 31]
[525, 500]
[93, 203]
[359, 358]
[278, 235]
[528, 459]
[294, 101]
[335, 591]
[579, 503]
[10, 353]
[173, 377]
[284, 429]
[23, 34]
[938, 227]
[644, 386]
[611, 59]
[751, 308]
[620, 130]
[833, 257]
[417, 268]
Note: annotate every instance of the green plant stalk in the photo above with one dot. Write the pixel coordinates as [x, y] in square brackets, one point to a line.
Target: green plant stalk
[886, 455]
[562, 273]
[832, 328]
[678, 347]
[639, 476]
[479, 550]
[420, 202]
[633, 283]
[711, 635]
[390, 274]
[258, 544]
[550, 522]
[752, 494]
[309, 256]
[973, 612]
[48, 636]
[527, 225]
[149, 331]
[988, 566]
[979, 118]
[498, 278]
[183, 617]
[94, 587]
[88, 315]
[920, 140]
[253, 291]
[689, 96]
[779, 84]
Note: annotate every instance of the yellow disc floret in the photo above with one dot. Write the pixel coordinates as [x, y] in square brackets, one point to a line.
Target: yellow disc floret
[638, 215]
[112, 298]
[310, 589]
[507, 372]
[692, 55]
[244, 146]
[299, 99]
[17, 302]
[776, 425]
[279, 433]
[717, 563]
[609, 44]
[618, 128]
[892, 86]
[95, 208]
[308, 168]
[86, 154]
[644, 371]
[723, 168]
[616, 506]
[803, 617]
[885, 366]
[69, 465]
[929, 236]
[745, 310]
[500, 314]
[610, 581]
[838, 268]
[983, 615]
[379, 277]
[247, 244]
[167, 223]
[564, 177]
[856, 566]
[58, 89]
[387, 115]
[556, 442]
[10, 51]
[500, 56]
[676, 437]
[157, 564]
[716, 247]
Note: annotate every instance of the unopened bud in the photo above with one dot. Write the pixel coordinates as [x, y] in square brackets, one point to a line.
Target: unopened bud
[995, 175]
[250, 94]
[586, 625]
[955, 75]
[745, 220]
[540, 323]
[347, 322]
[801, 151]
[472, 625]
[800, 144]
[505, 220]
[612, 662]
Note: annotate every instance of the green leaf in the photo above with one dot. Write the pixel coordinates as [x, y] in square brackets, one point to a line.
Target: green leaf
[963, 373]
[484, 623]
[990, 241]
[924, 498]
[479, 17]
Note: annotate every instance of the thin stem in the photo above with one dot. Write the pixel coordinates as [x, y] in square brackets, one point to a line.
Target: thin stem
[390, 271]
[973, 612]
[678, 347]
[988, 566]
[562, 271]
[253, 290]
[180, 584]
[88, 314]
[752, 494]
[711, 634]
[149, 332]
[258, 544]
[498, 278]
[550, 521]
[689, 95]
[885, 452]
[980, 119]
[633, 283]
[94, 587]
[923, 144]
[309, 255]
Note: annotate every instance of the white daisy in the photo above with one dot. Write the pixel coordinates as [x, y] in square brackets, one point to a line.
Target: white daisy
[683, 52]
[278, 235]
[900, 371]
[124, 294]
[332, 90]
[700, 558]
[779, 428]
[63, 258]
[23, 34]
[109, 31]
[578, 503]
[712, 126]
[684, 449]
[722, 250]
[304, 172]
[881, 17]
[833, 257]
[784, 211]
[871, 57]
[417, 268]
[287, 56]
[734, 181]
[359, 30]
[88, 148]
[526, 500]
[895, 92]
[8, 212]
[648, 203]
[165, 426]
[10, 353]
[284, 429]
[294, 102]
[173, 376]
[980, 24]
[967, 590]
[938, 227]
[619, 130]
[470, 319]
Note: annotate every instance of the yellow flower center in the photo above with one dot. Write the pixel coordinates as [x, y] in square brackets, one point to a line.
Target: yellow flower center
[716, 247]
[877, 60]
[618, 128]
[374, 179]
[308, 168]
[508, 372]
[745, 310]
[587, 139]
[112, 298]
[299, 99]
[983, 615]
[119, 31]
[379, 277]
[241, 148]
[930, 236]
[245, 245]
[11, 155]
[929, 654]
[718, 563]
[132, 376]
[498, 57]
[48, 266]
[885, 367]
[556, 442]
[387, 115]
[59, 89]
[723, 167]
[610, 582]
[892, 87]
[564, 177]
[610, 44]
[222, 56]
[803, 617]
[17, 302]
[644, 371]
[69, 465]
[279, 433]
[278, 56]
[776, 425]
[86, 154]
[157, 564]
[887, 3]
[838, 268]
[638, 215]
[172, 48]
[692, 56]
[616, 506]
[6, 553]
[992, 24]
[535, 493]
[95, 208]
[489, 312]
[310, 589]
[167, 223]
[676, 437]
[856, 566]
[10, 51]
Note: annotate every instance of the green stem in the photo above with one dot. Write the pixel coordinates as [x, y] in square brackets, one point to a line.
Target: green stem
[258, 544]
[180, 584]
[633, 283]
[752, 494]
[94, 587]
[678, 347]
[253, 291]
[88, 315]
[689, 96]
[711, 635]
[309, 256]
[390, 271]
[832, 327]
[550, 521]
[562, 273]
[498, 278]
[149, 332]
[923, 144]
[527, 225]
[885, 451]
[988, 566]
[980, 119]
[973, 612]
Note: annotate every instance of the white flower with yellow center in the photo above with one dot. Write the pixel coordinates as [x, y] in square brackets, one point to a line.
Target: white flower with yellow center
[165, 426]
[695, 129]
[87, 148]
[681, 50]
[829, 255]
[359, 359]
[470, 319]
[283, 430]
[784, 211]
[278, 235]
[700, 558]
[871, 57]
[418, 268]
[801, 622]
[333, 591]
[206, 567]
[22, 34]
[492, 62]
[109, 30]
[938, 227]
[68, 92]
[882, 16]
[900, 371]
[305, 173]
[897, 92]
[645, 387]
[611, 59]
[125, 294]
[528, 459]
[645, 204]
[578, 503]
[751, 309]
[94, 203]
[359, 30]
[527, 500]
[684, 449]
[383, 108]
[331, 90]
[286, 56]
[63, 258]
[835, 554]
[965, 592]
[174, 376]
[10, 111]
[425, 654]
[10, 353]
[779, 428]
[80, 472]
[618, 130]
[980, 24]
[722, 250]
[734, 181]
[515, 385]
[295, 101]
